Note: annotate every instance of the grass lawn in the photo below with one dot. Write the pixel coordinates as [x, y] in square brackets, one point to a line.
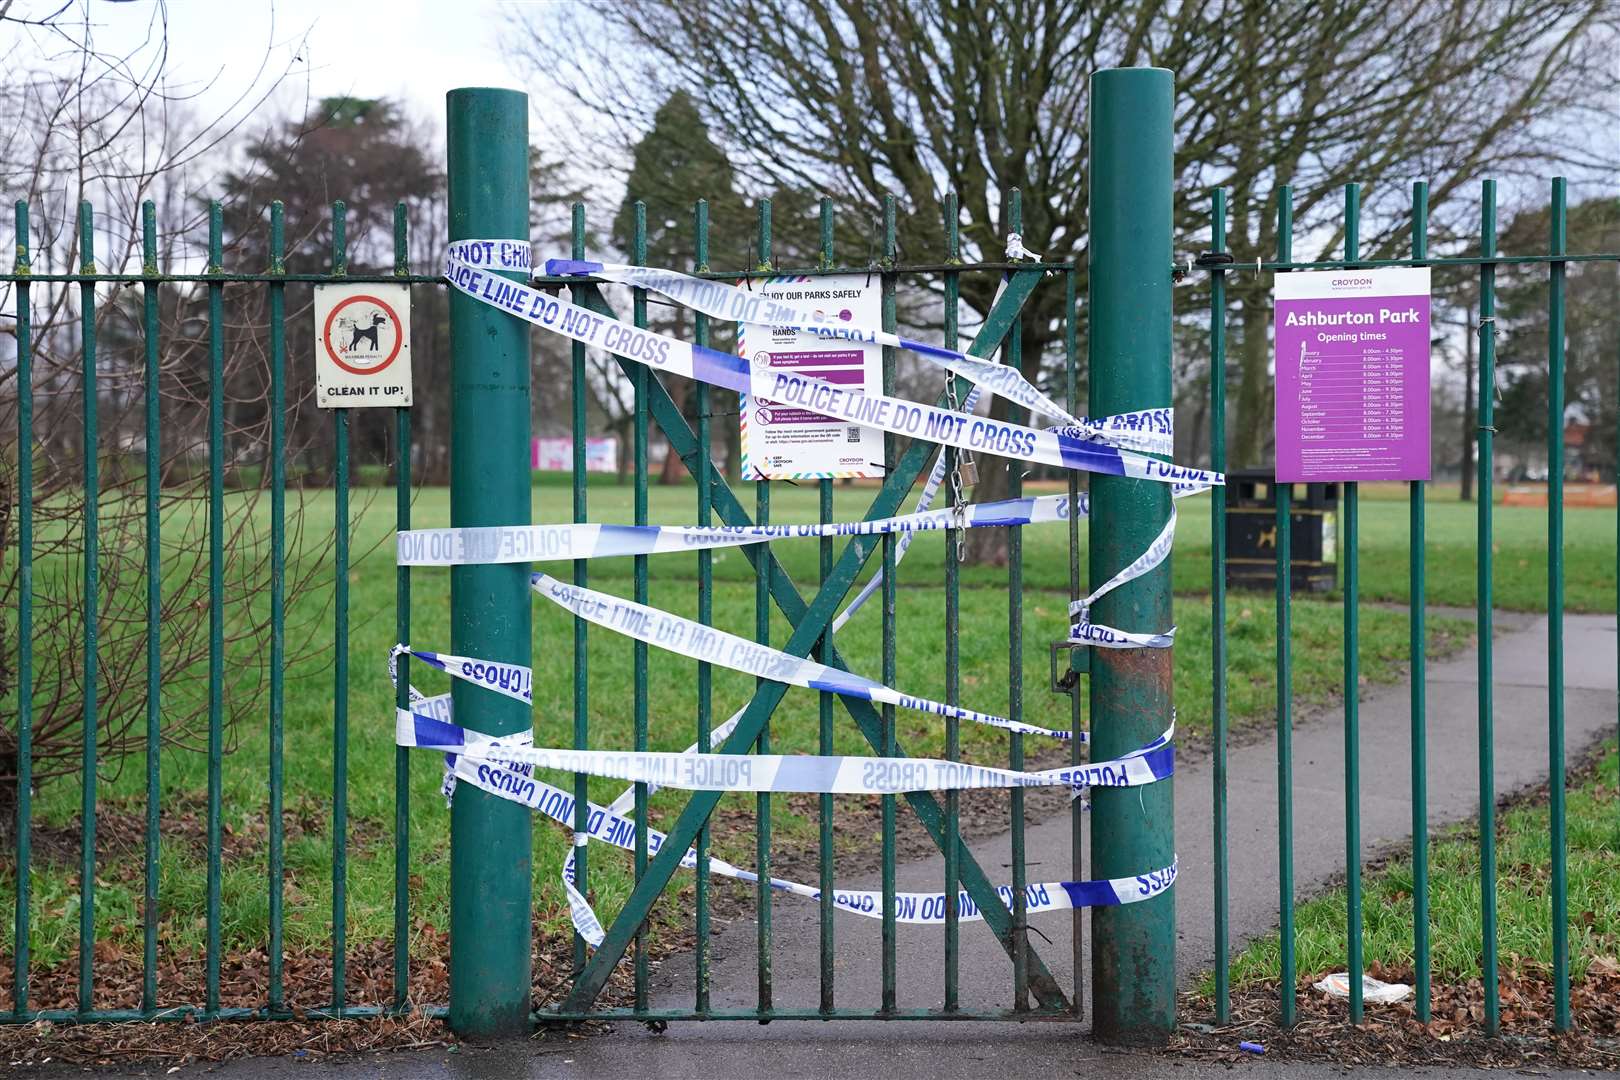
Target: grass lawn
[370, 784]
[1524, 868]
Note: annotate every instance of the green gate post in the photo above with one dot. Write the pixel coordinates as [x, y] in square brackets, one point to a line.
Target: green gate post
[1132, 829]
[489, 605]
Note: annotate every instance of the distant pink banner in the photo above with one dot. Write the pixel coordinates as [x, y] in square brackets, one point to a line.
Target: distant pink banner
[557, 454]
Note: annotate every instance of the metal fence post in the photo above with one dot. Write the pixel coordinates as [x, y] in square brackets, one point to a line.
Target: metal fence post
[490, 849]
[1132, 830]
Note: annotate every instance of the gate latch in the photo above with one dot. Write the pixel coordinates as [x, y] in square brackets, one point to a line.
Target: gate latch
[1078, 666]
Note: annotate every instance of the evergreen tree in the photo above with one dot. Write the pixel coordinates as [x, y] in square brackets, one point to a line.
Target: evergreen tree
[674, 165]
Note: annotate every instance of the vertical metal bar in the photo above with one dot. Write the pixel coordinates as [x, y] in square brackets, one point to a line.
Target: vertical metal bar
[340, 661]
[91, 602]
[1555, 609]
[1420, 759]
[154, 608]
[705, 558]
[582, 722]
[491, 842]
[638, 255]
[762, 634]
[1077, 816]
[1013, 357]
[1352, 671]
[216, 588]
[953, 646]
[1217, 603]
[824, 700]
[891, 454]
[278, 598]
[25, 622]
[402, 697]
[1484, 509]
[1132, 830]
[1285, 685]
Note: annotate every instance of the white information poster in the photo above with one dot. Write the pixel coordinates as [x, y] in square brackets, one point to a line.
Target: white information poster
[781, 442]
[362, 346]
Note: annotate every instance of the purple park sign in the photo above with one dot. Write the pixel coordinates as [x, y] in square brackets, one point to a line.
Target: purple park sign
[1353, 375]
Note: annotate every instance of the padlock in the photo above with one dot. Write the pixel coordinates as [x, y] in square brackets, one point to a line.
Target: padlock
[969, 471]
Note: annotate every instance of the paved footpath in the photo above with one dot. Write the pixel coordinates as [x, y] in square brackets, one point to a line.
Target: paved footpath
[1319, 811]
[940, 1050]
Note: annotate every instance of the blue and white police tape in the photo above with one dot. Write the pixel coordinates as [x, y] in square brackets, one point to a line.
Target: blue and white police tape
[1084, 631]
[516, 782]
[610, 826]
[706, 643]
[561, 543]
[936, 477]
[512, 680]
[541, 543]
[814, 773]
[1148, 431]
[878, 411]
[925, 501]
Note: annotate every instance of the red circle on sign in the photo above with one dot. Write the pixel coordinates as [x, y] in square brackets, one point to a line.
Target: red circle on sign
[326, 335]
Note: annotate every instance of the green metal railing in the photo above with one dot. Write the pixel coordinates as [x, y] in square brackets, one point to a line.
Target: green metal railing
[1485, 264]
[214, 279]
[1035, 992]
[1036, 995]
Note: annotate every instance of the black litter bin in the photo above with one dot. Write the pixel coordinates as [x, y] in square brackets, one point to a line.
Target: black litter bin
[1251, 532]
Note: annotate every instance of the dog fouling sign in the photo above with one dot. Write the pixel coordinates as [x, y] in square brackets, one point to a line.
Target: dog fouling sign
[362, 346]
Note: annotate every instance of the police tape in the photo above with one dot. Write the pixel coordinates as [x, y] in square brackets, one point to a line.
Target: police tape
[1085, 632]
[512, 680]
[474, 268]
[493, 772]
[1147, 430]
[706, 643]
[936, 476]
[559, 543]
[715, 646]
[610, 826]
[541, 543]
[813, 773]
[515, 781]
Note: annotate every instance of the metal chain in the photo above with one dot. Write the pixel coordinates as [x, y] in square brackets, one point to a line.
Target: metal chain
[958, 500]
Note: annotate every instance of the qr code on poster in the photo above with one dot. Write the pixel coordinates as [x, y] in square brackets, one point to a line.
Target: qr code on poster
[852, 434]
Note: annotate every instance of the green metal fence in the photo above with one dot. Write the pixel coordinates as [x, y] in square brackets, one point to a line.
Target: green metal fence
[1556, 259]
[1036, 993]
[273, 280]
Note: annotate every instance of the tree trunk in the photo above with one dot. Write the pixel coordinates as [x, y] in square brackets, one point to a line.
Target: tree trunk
[1253, 420]
[673, 468]
[680, 391]
[621, 431]
[988, 547]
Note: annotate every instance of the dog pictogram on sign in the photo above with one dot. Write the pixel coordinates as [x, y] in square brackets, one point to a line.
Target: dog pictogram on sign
[362, 346]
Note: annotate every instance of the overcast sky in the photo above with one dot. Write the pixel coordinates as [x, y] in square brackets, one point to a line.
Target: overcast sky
[411, 50]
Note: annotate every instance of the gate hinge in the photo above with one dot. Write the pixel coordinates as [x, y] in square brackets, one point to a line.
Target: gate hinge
[1079, 664]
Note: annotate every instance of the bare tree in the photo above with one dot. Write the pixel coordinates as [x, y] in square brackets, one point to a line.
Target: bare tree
[93, 127]
[860, 98]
